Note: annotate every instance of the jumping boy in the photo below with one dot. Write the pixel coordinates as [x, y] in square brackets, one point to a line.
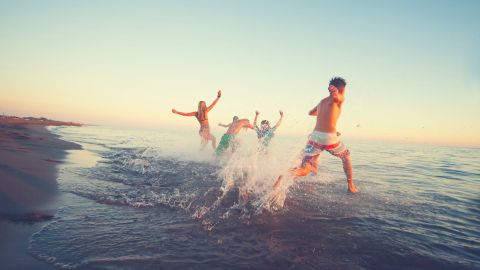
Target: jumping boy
[324, 137]
[229, 137]
[265, 133]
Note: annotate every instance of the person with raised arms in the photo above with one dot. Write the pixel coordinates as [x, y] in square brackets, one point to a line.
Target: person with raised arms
[265, 133]
[202, 116]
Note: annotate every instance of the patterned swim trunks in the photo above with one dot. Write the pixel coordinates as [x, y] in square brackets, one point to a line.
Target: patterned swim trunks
[319, 141]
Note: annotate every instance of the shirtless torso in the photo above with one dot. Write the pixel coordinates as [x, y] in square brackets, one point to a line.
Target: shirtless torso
[328, 111]
[236, 126]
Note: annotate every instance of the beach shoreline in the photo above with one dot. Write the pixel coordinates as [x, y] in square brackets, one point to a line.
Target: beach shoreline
[29, 155]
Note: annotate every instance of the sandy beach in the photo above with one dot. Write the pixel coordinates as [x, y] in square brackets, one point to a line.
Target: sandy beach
[29, 154]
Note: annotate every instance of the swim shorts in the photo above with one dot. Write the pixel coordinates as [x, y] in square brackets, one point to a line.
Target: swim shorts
[224, 143]
[319, 141]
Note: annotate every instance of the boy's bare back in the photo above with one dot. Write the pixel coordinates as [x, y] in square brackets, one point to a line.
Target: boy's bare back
[236, 126]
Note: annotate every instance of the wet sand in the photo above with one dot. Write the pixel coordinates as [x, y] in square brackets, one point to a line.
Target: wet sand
[29, 154]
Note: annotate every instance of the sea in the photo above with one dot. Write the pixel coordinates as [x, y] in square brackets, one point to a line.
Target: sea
[153, 199]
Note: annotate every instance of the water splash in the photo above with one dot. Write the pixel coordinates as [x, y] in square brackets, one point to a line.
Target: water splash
[152, 197]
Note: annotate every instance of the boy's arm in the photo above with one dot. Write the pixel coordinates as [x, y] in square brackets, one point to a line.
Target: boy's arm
[279, 121]
[313, 112]
[336, 95]
[247, 124]
[256, 117]
[182, 113]
[219, 94]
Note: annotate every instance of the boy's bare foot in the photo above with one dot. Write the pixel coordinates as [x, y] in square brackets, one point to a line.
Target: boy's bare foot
[302, 171]
[352, 188]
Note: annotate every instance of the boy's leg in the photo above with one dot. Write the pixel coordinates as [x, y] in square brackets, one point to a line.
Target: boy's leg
[309, 164]
[222, 145]
[343, 153]
[277, 197]
[347, 168]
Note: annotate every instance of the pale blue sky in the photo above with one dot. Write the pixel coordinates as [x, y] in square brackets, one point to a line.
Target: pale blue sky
[413, 69]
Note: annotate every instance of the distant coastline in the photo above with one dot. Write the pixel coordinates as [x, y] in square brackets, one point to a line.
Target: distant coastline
[38, 121]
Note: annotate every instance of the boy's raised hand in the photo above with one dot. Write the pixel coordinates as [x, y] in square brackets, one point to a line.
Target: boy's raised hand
[332, 88]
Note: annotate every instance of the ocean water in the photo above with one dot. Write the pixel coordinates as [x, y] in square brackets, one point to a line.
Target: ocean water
[136, 199]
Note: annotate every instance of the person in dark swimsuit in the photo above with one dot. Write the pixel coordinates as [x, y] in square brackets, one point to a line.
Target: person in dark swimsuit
[202, 116]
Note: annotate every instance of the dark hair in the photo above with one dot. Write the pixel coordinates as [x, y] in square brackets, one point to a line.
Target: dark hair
[338, 82]
[264, 122]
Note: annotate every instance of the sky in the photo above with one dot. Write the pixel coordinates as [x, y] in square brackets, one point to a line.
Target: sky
[412, 67]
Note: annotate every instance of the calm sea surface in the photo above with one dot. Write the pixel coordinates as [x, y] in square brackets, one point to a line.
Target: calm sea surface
[152, 200]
